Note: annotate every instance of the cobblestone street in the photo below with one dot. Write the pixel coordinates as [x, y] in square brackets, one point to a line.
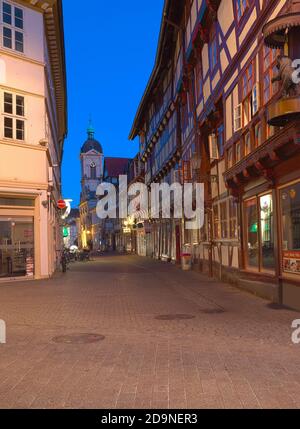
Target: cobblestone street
[172, 340]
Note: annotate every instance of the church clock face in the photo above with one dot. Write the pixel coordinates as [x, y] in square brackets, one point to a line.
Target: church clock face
[93, 165]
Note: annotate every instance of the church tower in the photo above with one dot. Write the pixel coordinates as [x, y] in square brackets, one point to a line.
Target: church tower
[91, 157]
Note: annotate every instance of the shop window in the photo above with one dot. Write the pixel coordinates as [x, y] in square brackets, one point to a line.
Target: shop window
[233, 219]
[216, 222]
[16, 247]
[290, 216]
[223, 220]
[259, 245]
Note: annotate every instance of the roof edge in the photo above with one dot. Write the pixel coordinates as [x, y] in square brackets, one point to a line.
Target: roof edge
[158, 58]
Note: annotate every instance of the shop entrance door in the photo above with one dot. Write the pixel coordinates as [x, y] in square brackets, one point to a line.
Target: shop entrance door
[259, 228]
[16, 247]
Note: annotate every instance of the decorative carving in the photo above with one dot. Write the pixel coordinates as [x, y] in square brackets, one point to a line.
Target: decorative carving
[285, 74]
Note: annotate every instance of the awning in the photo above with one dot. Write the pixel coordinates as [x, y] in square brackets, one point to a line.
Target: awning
[274, 31]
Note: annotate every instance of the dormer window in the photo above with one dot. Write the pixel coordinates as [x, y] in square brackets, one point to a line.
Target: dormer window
[13, 27]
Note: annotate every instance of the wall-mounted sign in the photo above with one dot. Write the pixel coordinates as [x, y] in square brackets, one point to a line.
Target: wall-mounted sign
[61, 204]
[66, 232]
[291, 262]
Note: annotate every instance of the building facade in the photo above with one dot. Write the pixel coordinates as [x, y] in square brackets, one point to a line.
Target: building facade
[33, 128]
[91, 159]
[221, 109]
[112, 233]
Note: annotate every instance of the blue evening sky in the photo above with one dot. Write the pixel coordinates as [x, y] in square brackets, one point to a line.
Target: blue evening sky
[110, 50]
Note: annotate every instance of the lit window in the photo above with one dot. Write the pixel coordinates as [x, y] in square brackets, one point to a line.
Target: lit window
[13, 26]
[290, 215]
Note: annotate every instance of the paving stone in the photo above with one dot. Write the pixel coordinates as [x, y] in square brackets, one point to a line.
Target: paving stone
[242, 358]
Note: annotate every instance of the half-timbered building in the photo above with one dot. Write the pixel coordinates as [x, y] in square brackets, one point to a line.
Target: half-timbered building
[221, 109]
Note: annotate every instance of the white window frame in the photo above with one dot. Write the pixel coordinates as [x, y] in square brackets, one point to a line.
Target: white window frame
[213, 148]
[12, 27]
[238, 117]
[13, 116]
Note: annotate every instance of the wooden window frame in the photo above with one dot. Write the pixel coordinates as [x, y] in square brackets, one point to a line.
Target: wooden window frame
[268, 72]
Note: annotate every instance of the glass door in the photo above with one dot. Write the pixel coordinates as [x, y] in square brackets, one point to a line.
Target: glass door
[16, 247]
[259, 244]
[252, 236]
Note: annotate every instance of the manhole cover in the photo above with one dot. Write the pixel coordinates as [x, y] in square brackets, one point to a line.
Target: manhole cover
[175, 317]
[213, 311]
[78, 339]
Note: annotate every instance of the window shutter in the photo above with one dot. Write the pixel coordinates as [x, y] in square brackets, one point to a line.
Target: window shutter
[238, 117]
[213, 147]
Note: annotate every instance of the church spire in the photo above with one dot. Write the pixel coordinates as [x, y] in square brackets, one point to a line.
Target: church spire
[91, 131]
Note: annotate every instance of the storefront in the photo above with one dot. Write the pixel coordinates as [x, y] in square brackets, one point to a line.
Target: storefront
[289, 202]
[17, 237]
